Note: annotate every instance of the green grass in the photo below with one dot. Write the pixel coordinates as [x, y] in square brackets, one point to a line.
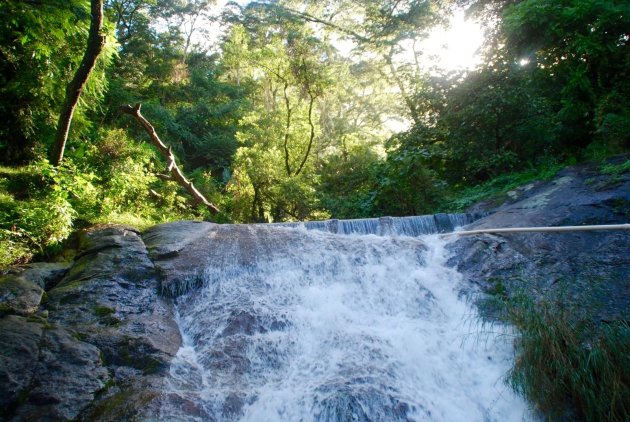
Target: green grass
[570, 366]
[616, 169]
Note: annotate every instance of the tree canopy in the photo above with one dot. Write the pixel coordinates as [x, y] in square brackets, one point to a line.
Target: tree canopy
[281, 110]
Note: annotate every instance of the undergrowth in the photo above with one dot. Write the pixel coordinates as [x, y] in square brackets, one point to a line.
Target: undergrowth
[495, 189]
[40, 205]
[568, 364]
[616, 169]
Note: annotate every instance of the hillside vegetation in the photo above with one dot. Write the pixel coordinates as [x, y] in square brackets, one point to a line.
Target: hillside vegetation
[275, 122]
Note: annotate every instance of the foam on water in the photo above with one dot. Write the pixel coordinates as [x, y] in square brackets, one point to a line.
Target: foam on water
[337, 328]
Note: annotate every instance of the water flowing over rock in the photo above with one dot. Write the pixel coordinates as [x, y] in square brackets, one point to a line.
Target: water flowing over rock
[294, 324]
[340, 320]
[393, 226]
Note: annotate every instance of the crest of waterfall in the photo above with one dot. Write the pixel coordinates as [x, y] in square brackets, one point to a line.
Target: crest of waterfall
[307, 324]
[392, 226]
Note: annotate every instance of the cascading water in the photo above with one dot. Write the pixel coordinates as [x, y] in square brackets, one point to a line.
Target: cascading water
[297, 325]
[391, 226]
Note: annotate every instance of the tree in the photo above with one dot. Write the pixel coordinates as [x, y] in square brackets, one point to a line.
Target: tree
[95, 43]
[184, 18]
[577, 53]
[378, 28]
[285, 65]
[40, 45]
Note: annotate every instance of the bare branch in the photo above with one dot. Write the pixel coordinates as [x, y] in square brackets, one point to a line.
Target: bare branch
[170, 157]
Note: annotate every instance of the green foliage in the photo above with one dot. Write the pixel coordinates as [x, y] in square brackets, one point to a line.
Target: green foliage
[113, 182]
[406, 186]
[495, 190]
[580, 50]
[616, 169]
[567, 364]
[41, 46]
[349, 183]
[38, 221]
[276, 124]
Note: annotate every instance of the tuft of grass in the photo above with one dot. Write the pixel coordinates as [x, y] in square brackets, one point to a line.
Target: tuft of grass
[496, 188]
[616, 169]
[567, 364]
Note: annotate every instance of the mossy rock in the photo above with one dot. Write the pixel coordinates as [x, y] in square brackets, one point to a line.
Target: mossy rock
[19, 296]
[125, 405]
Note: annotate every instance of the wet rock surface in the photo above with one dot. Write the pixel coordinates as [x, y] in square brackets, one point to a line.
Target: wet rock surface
[97, 344]
[582, 266]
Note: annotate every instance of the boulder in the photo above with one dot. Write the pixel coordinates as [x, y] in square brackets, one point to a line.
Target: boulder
[99, 345]
[19, 354]
[593, 267]
[19, 295]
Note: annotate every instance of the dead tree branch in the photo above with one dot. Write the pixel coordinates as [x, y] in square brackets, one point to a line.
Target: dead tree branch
[166, 152]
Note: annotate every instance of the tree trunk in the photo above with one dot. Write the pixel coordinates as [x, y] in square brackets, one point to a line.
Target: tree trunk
[286, 130]
[176, 173]
[95, 44]
[409, 101]
[312, 133]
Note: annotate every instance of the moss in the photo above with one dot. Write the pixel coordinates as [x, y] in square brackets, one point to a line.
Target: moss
[497, 287]
[123, 405]
[495, 191]
[622, 206]
[20, 398]
[135, 359]
[79, 336]
[103, 311]
[38, 319]
[101, 357]
[616, 169]
[5, 309]
[106, 388]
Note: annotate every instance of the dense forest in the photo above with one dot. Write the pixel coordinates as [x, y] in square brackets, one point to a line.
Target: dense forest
[272, 120]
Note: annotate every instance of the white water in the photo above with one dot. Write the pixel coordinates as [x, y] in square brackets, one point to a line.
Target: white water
[296, 325]
[391, 226]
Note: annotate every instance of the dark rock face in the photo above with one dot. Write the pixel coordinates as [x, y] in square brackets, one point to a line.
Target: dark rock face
[19, 343]
[22, 288]
[98, 346]
[595, 265]
[66, 376]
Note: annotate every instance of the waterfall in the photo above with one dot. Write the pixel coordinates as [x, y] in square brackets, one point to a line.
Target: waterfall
[391, 226]
[296, 324]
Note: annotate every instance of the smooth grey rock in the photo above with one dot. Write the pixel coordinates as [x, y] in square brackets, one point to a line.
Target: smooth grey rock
[167, 240]
[19, 296]
[593, 267]
[19, 354]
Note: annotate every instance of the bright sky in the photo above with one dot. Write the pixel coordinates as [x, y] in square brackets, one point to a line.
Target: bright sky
[448, 48]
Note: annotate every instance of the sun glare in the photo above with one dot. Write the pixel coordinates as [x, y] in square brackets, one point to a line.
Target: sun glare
[452, 48]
